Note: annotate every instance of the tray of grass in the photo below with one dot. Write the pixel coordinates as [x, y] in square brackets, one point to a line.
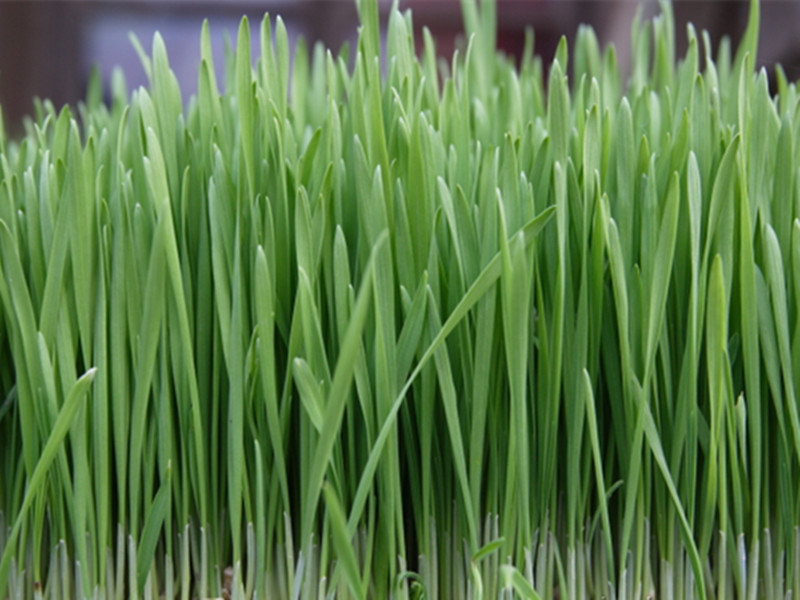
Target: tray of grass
[371, 325]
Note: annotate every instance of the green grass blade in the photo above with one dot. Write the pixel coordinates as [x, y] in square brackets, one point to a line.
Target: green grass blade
[337, 396]
[342, 543]
[151, 532]
[51, 447]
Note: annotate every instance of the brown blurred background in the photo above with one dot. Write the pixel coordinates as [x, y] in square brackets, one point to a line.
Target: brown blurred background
[47, 47]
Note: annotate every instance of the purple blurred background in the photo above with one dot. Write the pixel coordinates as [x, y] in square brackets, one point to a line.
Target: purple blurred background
[47, 47]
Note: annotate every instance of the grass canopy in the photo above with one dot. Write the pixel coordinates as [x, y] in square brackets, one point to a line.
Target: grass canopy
[373, 325]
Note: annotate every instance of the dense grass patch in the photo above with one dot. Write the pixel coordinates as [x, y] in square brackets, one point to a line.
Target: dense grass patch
[367, 326]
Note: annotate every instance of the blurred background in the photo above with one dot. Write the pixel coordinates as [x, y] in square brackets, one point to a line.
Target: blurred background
[47, 47]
